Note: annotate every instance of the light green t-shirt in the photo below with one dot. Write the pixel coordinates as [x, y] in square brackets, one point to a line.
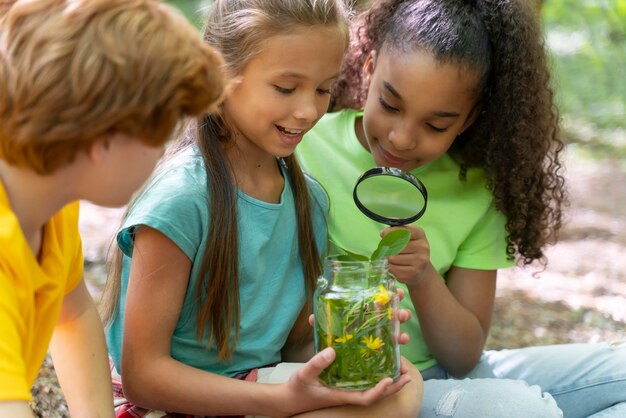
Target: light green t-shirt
[462, 226]
[271, 280]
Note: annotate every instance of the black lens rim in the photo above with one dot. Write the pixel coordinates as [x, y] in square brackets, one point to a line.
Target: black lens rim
[394, 172]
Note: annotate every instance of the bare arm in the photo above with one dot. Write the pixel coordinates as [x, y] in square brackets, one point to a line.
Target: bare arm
[79, 354]
[160, 274]
[455, 315]
[455, 319]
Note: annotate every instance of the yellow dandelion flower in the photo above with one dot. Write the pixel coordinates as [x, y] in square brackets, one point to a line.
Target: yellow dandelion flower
[344, 339]
[372, 343]
[389, 313]
[382, 298]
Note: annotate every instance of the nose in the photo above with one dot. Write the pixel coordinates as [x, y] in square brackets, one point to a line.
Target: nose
[402, 138]
[308, 108]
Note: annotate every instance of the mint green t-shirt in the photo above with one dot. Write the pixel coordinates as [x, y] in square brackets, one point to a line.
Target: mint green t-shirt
[271, 280]
[461, 223]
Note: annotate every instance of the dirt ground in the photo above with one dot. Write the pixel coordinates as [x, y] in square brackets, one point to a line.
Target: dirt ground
[580, 297]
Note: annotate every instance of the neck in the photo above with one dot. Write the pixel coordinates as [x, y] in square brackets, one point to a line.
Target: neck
[34, 198]
[256, 173]
[360, 132]
[248, 161]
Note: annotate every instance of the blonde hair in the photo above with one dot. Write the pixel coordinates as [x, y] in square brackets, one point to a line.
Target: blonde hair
[238, 28]
[5, 5]
[73, 71]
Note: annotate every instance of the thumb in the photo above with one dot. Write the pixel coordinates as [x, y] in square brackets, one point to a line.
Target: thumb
[313, 367]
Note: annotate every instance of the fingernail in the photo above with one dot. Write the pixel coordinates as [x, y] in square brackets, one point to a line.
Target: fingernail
[327, 353]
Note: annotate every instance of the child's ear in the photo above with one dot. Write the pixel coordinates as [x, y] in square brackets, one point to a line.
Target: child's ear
[368, 68]
[99, 148]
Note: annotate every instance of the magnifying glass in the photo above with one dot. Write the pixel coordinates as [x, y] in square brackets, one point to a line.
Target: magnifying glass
[390, 196]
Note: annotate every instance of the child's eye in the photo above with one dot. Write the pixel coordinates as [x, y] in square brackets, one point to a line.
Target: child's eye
[324, 91]
[283, 90]
[386, 105]
[436, 129]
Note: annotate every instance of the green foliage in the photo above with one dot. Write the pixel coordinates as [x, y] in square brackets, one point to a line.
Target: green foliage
[587, 43]
[390, 244]
[350, 256]
[195, 10]
[587, 40]
[360, 330]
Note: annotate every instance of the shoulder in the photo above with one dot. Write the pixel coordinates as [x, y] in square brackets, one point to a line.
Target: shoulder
[444, 174]
[175, 202]
[181, 181]
[184, 169]
[69, 243]
[9, 225]
[67, 218]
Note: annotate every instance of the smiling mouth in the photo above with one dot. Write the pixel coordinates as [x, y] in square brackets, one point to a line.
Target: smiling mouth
[390, 157]
[290, 132]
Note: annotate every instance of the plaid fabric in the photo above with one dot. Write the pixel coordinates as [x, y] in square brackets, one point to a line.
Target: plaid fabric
[124, 409]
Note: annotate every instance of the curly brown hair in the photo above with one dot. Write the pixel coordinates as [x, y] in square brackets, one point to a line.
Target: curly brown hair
[515, 140]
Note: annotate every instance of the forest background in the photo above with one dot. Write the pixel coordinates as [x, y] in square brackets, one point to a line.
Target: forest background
[581, 295]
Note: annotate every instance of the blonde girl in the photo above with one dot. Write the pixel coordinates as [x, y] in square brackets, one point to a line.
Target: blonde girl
[221, 249]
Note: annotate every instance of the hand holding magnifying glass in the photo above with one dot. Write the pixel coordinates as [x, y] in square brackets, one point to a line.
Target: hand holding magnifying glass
[397, 198]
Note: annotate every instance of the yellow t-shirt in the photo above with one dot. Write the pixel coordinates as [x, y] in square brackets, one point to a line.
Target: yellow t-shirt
[31, 293]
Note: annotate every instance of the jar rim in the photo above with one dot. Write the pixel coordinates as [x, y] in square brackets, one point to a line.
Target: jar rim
[339, 261]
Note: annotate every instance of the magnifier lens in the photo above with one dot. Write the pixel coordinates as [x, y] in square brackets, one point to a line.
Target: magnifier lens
[390, 196]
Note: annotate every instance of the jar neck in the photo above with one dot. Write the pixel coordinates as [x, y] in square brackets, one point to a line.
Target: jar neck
[355, 274]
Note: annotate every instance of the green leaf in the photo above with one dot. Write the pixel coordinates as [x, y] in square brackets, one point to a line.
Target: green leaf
[349, 256]
[391, 244]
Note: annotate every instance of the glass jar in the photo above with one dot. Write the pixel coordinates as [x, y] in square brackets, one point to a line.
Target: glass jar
[355, 306]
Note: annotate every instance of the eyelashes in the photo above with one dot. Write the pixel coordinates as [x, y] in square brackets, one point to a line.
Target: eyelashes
[284, 90]
[392, 109]
[386, 105]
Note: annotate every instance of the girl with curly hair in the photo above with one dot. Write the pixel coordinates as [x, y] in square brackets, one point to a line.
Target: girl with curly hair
[458, 93]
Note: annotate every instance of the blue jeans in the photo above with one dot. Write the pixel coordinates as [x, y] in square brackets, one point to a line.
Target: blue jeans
[570, 380]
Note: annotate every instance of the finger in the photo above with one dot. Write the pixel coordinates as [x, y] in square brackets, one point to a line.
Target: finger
[400, 293]
[403, 273]
[394, 387]
[312, 368]
[379, 391]
[311, 320]
[390, 229]
[404, 315]
[416, 231]
[408, 259]
[403, 338]
[403, 367]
